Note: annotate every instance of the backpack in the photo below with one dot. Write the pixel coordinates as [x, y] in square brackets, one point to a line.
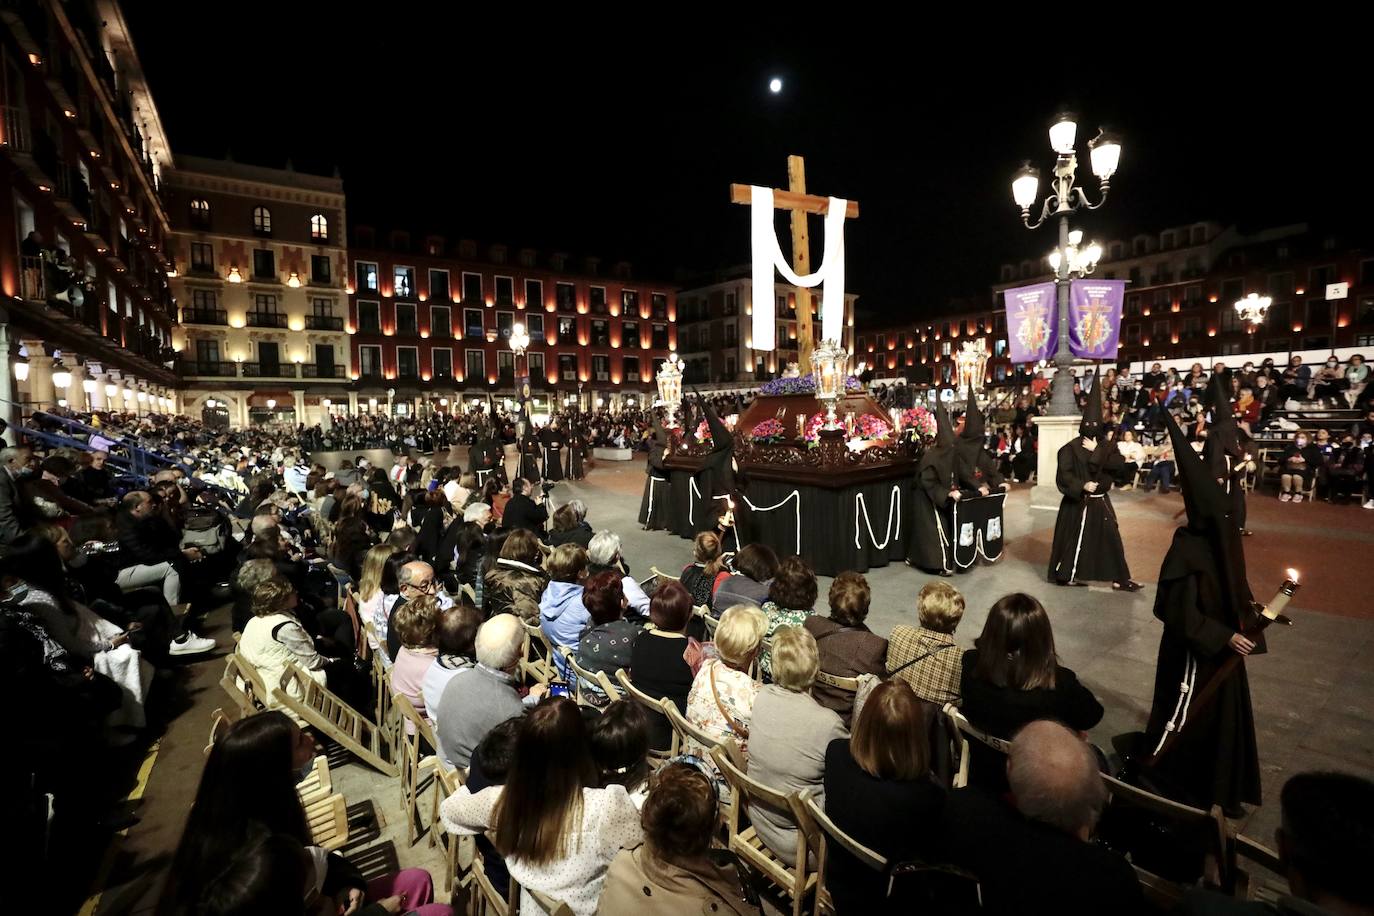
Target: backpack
[204, 530]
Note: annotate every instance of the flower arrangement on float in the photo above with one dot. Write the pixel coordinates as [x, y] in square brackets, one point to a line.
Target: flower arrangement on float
[769, 432]
[919, 420]
[803, 384]
[870, 427]
[703, 431]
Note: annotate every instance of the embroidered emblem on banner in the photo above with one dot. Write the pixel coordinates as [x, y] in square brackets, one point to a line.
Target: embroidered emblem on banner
[966, 534]
[994, 529]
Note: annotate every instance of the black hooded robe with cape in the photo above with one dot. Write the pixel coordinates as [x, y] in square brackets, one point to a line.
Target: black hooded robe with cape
[1223, 451]
[553, 441]
[722, 485]
[976, 468]
[930, 546]
[655, 506]
[577, 454]
[1087, 543]
[529, 457]
[1202, 600]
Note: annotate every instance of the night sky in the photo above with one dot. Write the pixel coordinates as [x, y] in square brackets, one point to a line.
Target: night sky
[571, 136]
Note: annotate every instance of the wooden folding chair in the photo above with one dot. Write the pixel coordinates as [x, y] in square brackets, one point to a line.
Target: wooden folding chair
[1251, 884]
[536, 664]
[241, 682]
[331, 716]
[691, 738]
[663, 575]
[327, 819]
[707, 621]
[585, 678]
[1208, 826]
[548, 904]
[459, 849]
[794, 882]
[486, 901]
[382, 712]
[820, 832]
[847, 684]
[412, 761]
[654, 707]
[965, 730]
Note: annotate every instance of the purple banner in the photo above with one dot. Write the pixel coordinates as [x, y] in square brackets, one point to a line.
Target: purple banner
[1095, 318]
[1031, 331]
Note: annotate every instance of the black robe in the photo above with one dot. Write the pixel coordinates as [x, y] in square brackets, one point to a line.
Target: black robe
[529, 458]
[577, 454]
[553, 442]
[487, 457]
[975, 466]
[1215, 759]
[655, 505]
[931, 543]
[1087, 544]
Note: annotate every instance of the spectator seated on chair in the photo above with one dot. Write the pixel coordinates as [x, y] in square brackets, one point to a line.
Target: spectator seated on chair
[556, 827]
[721, 701]
[1324, 844]
[455, 637]
[247, 790]
[414, 623]
[663, 660]
[755, 567]
[1036, 854]
[608, 642]
[1297, 468]
[926, 656]
[847, 647]
[619, 741]
[373, 591]
[563, 615]
[674, 871]
[788, 736]
[479, 698]
[516, 582]
[1012, 677]
[791, 599]
[882, 794]
[604, 553]
[570, 525]
[704, 574]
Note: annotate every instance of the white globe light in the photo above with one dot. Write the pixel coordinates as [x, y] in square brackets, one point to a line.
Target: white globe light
[775, 85]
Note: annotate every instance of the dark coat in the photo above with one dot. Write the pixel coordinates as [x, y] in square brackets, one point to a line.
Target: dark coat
[523, 512]
[511, 587]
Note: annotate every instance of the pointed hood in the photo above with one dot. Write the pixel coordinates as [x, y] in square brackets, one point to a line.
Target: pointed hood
[944, 428]
[1210, 543]
[974, 424]
[1223, 436]
[1091, 425]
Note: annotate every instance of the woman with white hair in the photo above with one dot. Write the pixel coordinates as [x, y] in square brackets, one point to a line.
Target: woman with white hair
[603, 552]
[463, 547]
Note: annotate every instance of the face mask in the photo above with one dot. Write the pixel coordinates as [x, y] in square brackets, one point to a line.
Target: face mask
[1301, 443]
[366, 494]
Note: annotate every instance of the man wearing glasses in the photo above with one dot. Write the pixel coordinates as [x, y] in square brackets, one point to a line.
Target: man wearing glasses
[416, 580]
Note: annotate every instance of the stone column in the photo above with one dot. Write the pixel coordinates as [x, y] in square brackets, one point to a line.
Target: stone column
[41, 394]
[76, 392]
[353, 403]
[300, 406]
[97, 398]
[8, 409]
[1053, 434]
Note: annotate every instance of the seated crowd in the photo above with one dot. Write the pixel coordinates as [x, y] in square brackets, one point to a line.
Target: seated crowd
[597, 804]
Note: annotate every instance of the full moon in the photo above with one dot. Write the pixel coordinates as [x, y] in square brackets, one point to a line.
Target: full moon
[775, 85]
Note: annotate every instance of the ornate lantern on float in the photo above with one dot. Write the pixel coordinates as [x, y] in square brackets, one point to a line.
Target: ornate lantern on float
[972, 361]
[669, 381]
[829, 362]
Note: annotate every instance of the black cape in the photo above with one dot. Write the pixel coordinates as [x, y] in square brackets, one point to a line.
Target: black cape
[553, 442]
[577, 455]
[931, 545]
[1087, 543]
[529, 458]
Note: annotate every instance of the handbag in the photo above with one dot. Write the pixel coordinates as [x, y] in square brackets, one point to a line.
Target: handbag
[738, 727]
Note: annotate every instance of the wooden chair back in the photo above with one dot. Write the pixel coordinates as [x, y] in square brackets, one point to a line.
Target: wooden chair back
[663, 575]
[412, 760]
[821, 832]
[1208, 826]
[838, 682]
[707, 621]
[654, 707]
[599, 679]
[1259, 874]
[536, 664]
[243, 685]
[329, 715]
[964, 730]
[794, 882]
[549, 905]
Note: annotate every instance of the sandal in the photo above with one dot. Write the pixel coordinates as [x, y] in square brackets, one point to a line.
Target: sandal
[1130, 585]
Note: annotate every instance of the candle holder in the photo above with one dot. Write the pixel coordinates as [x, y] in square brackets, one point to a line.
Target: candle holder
[669, 381]
[830, 360]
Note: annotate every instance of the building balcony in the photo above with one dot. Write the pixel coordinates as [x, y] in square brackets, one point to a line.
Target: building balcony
[323, 323]
[315, 370]
[208, 368]
[266, 320]
[205, 316]
[14, 121]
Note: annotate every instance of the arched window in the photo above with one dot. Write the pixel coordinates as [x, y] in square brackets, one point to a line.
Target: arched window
[319, 227]
[200, 212]
[262, 220]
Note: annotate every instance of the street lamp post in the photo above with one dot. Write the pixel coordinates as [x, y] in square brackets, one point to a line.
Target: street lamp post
[1069, 259]
[519, 343]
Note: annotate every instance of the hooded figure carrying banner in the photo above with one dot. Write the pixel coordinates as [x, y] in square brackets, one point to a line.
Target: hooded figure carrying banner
[1205, 603]
[1087, 543]
[723, 508]
[654, 508]
[937, 485]
[1223, 450]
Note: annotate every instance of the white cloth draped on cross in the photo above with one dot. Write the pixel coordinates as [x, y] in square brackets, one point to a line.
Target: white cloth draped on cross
[768, 256]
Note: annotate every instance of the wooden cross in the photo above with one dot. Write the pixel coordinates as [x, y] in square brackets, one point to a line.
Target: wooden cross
[801, 204]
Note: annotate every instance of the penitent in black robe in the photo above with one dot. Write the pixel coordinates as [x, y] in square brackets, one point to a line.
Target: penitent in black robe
[529, 458]
[1087, 543]
[553, 441]
[1215, 759]
[577, 455]
[654, 507]
[931, 547]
